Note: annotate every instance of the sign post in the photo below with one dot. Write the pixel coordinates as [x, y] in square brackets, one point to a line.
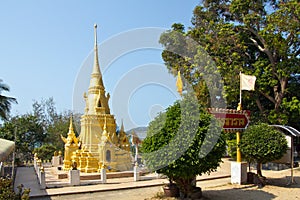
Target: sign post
[234, 121]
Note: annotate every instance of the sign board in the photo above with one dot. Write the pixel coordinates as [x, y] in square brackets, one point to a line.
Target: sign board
[233, 120]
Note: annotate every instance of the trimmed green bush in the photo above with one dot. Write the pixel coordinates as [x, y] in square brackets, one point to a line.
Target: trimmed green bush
[262, 143]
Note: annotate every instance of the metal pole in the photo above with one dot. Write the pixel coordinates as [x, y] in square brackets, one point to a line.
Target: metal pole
[238, 134]
[238, 151]
[136, 153]
[238, 137]
[292, 180]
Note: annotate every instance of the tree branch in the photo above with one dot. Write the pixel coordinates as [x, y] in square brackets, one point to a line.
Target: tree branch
[258, 46]
[258, 103]
[268, 97]
[290, 38]
[264, 49]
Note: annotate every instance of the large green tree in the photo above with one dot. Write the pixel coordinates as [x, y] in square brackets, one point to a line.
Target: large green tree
[183, 142]
[54, 123]
[38, 130]
[258, 38]
[5, 101]
[26, 131]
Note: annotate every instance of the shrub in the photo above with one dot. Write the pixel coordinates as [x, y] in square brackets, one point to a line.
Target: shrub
[182, 143]
[262, 143]
[7, 191]
[45, 152]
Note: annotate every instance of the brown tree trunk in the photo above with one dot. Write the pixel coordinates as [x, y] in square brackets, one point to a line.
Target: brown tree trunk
[185, 186]
[261, 180]
[258, 103]
[258, 167]
[279, 92]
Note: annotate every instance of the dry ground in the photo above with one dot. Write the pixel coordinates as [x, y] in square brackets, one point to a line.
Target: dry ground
[276, 189]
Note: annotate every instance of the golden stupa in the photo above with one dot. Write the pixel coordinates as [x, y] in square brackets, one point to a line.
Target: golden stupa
[98, 144]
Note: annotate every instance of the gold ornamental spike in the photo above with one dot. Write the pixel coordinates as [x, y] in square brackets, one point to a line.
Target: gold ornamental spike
[71, 130]
[179, 84]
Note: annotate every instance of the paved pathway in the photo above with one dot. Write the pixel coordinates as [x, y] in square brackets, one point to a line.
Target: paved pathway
[28, 177]
[117, 188]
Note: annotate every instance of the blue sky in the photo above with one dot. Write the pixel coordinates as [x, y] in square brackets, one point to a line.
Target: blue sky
[45, 47]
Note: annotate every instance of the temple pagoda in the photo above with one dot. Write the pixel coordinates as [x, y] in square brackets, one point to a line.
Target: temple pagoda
[98, 144]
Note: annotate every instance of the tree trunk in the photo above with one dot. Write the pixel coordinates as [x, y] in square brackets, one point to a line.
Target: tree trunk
[258, 167]
[185, 186]
[279, 92]
[258, 103]
[261, 180]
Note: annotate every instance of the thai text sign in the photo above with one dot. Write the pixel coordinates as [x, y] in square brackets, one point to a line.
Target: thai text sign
[232, 119]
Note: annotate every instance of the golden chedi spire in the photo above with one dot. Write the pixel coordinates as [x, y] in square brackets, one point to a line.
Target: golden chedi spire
[123, 139]
[98, 138]
[96, 99]
[122, 132]
[122, 127]
[96, 77]
[71, 130]
[71, 138]
[105, 135]
[71, 145]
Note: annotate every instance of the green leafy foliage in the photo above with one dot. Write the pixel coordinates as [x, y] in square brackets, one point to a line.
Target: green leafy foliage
[54, 123]
[28, 133]
[262, 143]
[183, 142]
[232, 148]
[7, 191]
[258, 38]
[5, 102]
[46, 151]
[39, 130]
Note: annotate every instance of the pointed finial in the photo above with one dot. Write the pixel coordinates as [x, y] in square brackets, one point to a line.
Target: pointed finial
[239, 107]
[95, 34]
[71, 124]
[96, 68]
[122, 126]
[104, 128]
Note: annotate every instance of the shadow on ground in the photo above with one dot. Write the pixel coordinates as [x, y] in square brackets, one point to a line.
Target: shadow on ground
[285, 182]
[40, 198]
[245, 193]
